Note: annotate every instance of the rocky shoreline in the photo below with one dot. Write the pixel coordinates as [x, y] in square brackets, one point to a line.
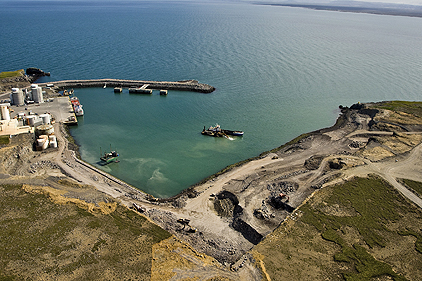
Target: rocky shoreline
[229, 213]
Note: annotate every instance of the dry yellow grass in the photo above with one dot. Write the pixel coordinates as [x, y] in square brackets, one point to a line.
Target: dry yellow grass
[177, 260]
[57, 197]
[45, 236]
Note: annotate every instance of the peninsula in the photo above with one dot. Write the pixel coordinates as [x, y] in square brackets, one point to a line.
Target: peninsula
[338, 202]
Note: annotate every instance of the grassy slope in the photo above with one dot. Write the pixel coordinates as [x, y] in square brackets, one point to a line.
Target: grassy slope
[414, 108]
[355, 231]
[8, 74]
[41, 240]
[413, 185]
[4, 140]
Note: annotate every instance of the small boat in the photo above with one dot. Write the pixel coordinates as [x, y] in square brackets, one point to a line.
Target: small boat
[216, 131]
[109, 157]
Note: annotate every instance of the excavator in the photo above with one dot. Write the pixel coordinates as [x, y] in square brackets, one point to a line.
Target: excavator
[282, 195]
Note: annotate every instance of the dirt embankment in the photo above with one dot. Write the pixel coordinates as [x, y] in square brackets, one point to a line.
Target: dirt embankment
[21, 81]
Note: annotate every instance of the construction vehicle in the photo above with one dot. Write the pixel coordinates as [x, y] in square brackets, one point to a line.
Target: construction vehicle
[282, 195]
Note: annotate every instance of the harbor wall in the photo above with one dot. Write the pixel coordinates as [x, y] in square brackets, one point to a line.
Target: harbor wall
[186, 85]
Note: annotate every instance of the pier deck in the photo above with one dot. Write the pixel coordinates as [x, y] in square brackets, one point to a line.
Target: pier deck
[187, 85]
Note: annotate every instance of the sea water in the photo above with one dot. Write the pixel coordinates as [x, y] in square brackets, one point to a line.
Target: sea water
[278, 72]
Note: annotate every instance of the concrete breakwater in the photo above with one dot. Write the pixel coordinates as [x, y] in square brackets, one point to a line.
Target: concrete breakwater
[186, 85]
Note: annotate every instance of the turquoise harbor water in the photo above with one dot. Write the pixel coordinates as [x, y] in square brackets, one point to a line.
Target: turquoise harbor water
[278, 71]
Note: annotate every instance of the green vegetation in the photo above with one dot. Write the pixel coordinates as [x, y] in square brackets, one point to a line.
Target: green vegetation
[375, 205]
[57, 241]
[358, 220]
[8, 74]
[415, 185]
[418, 243]
[414, 108]
[371, 218]
[4, 140]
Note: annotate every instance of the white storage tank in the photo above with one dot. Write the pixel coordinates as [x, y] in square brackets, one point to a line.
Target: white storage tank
[45, 130]
[45, 118]
[37, 93]
[53, 141]
[5, 115]
[42, 142]
[31, 120]
[53, 144]
[17, 96]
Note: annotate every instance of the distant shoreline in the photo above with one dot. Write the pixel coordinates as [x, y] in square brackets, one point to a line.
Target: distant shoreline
[360, 9]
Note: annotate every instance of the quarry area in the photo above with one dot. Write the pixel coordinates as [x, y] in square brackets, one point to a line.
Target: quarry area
[219, 222]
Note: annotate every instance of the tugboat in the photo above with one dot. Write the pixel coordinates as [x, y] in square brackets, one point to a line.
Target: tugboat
[216, 131]
[109, 157]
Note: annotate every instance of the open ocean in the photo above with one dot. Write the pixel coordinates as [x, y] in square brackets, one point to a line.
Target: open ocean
[279, 72]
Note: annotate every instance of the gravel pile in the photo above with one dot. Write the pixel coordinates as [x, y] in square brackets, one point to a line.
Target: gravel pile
[42, 165]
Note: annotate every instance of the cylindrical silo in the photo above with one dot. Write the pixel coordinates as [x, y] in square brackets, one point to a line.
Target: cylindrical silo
[37, 94]
[42, 142]
[45, 118]
[5, 115]
[31, 120]
[17, 96]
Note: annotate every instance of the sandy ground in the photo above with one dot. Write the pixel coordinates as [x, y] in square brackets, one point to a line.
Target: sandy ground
[231, 213]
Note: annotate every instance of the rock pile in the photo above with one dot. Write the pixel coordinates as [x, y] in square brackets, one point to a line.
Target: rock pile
[313, 162]
[42, 165]
[282, 187]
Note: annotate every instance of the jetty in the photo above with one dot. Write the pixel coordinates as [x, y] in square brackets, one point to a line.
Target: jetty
[185, 85]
